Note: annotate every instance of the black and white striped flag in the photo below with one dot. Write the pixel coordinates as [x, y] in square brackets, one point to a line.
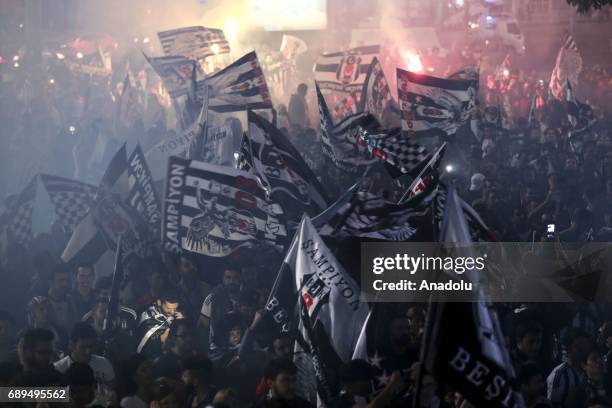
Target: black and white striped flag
[214, 210]
[194, 42]
[237, 87]
[345, 71]
[434, 106]
[72, 199]
[567, 68]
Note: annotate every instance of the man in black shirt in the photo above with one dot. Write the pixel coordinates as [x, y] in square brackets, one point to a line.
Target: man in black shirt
[35, 352]
[154, 325]
[84, 295]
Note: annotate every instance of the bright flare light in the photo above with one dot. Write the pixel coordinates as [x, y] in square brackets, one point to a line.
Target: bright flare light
[449, 168]
[52, 81]
[145, 40]
[79, 55]
[215, 48]
[71, 129]
[60, 56]
[413, 61]
[505, 72]
[16, 65]
[231, 30]
[16, 58]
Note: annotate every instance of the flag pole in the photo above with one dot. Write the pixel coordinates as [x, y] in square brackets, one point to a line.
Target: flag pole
[430, 323]
[113, 301]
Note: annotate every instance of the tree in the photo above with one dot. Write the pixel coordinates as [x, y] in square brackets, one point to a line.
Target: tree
[584, 6]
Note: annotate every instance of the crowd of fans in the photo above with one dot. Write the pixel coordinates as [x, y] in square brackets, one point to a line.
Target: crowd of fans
[178, 340]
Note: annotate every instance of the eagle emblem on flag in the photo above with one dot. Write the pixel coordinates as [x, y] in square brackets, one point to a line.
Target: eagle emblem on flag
[228, 221]
[348, 70]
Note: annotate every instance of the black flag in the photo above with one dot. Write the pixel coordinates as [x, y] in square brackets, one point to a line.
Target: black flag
[463, 344]
[280, 167]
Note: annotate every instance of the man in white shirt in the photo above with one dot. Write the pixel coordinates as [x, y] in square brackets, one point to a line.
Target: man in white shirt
[83, 338]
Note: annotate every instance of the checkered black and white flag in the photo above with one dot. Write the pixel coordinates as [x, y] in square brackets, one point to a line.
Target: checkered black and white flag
[71, 198]
[402, 154]
[18, 218]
